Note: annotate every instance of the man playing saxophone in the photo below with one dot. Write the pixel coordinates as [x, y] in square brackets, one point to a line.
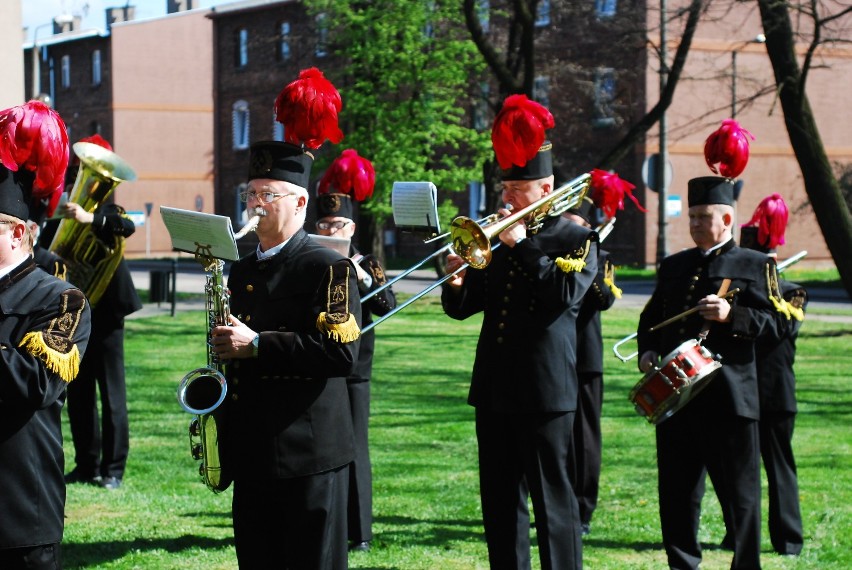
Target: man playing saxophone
[293, 340]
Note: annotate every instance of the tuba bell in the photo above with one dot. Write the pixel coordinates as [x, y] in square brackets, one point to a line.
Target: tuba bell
[91, 263]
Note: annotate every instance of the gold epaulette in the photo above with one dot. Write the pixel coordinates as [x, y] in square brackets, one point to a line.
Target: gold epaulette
[576, 262]
[65, 364]
[774, 291]
[609, 279]
[336, 322]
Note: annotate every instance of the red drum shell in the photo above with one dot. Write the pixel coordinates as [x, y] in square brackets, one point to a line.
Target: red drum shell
[683, 373]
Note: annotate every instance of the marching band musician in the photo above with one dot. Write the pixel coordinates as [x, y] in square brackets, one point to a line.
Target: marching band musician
[524, 384]
[45, 259]
[584, 457]
[101, 445]
[292, 343]
[351, 178]
[44, 331]
[717, 429]
[777, 386]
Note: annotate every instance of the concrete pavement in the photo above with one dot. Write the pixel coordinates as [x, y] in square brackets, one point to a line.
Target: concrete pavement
[190, 278]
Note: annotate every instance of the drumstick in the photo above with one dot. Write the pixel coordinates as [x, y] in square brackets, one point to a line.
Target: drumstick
[727, 296]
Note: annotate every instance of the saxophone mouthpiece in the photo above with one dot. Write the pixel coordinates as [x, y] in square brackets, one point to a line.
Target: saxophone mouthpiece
[251, 225]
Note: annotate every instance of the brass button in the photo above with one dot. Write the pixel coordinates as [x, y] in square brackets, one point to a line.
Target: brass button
[503, 312]
[511, 273]
[508, 286]
[235, 397]
[501, 326]
[506, 299]
[248, 318]
[249, 287]
[695, 277]
[681, 331]
[499, 340]
[235, 381]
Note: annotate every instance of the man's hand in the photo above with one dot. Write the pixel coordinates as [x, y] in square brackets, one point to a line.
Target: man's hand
[233, 341]
[74, 211]
[714, 308]
[648, 360]
[454, 262]
[514, 233]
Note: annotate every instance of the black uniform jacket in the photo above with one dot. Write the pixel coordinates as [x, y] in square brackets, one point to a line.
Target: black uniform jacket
[50, 262]
[776, 378]
[44, 330]
[288, 409]
[600, 297]
[531, 296]
[686, 277]
[120, 297]
[379, 304]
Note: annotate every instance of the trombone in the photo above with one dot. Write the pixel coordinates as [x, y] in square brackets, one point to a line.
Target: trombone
[471, 240]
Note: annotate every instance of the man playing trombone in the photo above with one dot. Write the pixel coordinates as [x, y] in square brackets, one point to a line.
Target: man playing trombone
[524, 383]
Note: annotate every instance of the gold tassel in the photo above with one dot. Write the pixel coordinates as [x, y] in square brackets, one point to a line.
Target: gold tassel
[570, 265]
[796, 312]
[66, 365]
[781, 306]
[613, 287]
[346, 331]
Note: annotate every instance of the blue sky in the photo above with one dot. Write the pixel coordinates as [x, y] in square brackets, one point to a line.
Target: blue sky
[40, 13]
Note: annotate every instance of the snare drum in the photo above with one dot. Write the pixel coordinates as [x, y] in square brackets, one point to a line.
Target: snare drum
[683, 373]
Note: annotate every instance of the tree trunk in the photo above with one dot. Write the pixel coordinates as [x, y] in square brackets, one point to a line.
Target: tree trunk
[821, 185]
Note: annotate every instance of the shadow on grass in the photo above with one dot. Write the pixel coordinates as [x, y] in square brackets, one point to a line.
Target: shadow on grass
[429, 532]
[95, 553]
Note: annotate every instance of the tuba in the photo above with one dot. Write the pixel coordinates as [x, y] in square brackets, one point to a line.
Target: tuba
[91, 263]
[202, 391]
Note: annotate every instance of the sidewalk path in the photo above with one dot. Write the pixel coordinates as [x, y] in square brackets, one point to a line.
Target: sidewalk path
[191, 279]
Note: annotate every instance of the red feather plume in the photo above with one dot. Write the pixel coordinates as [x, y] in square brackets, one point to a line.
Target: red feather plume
[98, 140]
[349, 174]
[33, 137]
[308, 109]
[770, 217]
[518, 130]
[608, 192]
[728, 146]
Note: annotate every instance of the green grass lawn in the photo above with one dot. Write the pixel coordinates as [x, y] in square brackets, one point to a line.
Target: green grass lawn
[426, 501]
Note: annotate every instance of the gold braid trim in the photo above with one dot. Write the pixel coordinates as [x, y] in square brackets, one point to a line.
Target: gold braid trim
[66, 365]
[781, 306]
[336, 322]
[574, 264]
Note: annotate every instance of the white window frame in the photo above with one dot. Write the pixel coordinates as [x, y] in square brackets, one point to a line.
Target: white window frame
[96, 67]
[240, 123]
[66, 71]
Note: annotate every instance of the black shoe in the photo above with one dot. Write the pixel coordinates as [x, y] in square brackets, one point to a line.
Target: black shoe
[586, 529]
[111, 483]
[76, 476]
[362, 546]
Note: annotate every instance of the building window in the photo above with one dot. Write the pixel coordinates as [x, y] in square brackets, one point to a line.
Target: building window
[96, 67]
[242, 47]
[66, 71]
[240, 125]
[483, 12]
[322, 35]
[604, 114]
[605, 8]
[480, 108]
[542, 14]
[541, 90]
[277, 129]
[284, 41]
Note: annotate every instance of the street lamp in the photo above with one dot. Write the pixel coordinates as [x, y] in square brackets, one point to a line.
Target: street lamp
[758, 39]
[63, 19]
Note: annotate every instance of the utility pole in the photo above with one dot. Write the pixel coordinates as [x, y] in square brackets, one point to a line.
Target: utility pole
[664, 156]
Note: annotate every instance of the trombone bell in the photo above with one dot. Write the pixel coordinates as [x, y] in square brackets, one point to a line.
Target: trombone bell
[471, 242]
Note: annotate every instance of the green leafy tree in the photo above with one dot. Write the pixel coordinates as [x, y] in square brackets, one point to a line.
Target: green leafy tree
[404, 76]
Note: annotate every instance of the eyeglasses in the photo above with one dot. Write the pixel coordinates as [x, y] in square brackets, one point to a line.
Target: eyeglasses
[264, 197]
[339, 225]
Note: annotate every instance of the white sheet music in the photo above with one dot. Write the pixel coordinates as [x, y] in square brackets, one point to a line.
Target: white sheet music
[196, 232]
[340, 245]
[415, 206]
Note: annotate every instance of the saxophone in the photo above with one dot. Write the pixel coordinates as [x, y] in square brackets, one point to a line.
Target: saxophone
[202, 391]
